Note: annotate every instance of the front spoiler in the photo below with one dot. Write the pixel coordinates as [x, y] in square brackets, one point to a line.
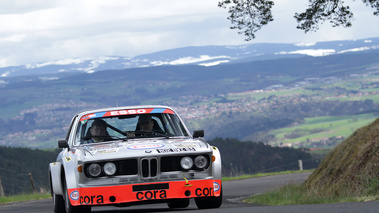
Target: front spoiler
[122, 194]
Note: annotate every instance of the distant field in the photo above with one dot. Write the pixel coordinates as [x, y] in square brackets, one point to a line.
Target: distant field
[323, 127]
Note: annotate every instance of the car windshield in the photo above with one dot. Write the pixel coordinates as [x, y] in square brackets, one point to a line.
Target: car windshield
[123, 125]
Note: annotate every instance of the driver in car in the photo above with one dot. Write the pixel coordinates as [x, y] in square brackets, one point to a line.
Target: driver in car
[145, 126]
[98, 131]
[145, 123]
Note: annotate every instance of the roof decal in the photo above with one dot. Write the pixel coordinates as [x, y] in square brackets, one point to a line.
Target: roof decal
[126, 112]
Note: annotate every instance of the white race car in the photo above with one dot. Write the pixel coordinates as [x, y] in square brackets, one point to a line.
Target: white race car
[134, 155]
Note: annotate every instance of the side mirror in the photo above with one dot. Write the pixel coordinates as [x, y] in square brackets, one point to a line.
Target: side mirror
[198, 134]
[62, 144]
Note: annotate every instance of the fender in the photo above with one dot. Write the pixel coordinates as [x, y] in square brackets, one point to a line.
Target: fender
[69, 169]
[55, 178]
[216, 165]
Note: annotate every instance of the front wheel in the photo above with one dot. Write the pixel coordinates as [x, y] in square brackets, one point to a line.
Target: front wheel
[58, 204]
[209, 202]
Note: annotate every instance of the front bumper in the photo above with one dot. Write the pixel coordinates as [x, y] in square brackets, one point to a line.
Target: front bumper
[158, 191]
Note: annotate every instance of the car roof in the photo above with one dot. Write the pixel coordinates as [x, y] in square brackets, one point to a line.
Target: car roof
[122, 108]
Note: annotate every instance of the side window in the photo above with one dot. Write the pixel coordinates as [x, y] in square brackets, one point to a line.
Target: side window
[174, 125]
[168, 125]
[70, 134]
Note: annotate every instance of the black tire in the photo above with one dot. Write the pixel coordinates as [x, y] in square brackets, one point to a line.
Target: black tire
[58, 204]
[179, 203]
[209, 202]
[73, 209]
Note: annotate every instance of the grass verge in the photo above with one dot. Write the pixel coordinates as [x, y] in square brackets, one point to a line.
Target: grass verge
[296, 194]
[24, 197]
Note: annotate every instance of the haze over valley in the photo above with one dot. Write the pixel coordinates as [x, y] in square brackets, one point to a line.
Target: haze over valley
[269, 93]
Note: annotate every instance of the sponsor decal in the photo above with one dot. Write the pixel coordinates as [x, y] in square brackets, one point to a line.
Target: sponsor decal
[108, 150]
[146, 146]
[93, 199]
[68, 159]
[93, 115]
[102, 146]
[189, 149]
[151, 195]
[103, 149]
[186, 146]
[74, 195]
[126, 112]
[216, 186]
[162, 110]
[200, 192]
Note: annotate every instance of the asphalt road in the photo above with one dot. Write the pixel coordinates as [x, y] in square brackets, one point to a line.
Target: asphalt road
[234, 193]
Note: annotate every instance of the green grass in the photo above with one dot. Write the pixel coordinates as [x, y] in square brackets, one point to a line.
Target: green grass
[24, 197]
[294, 194]
[328, 127]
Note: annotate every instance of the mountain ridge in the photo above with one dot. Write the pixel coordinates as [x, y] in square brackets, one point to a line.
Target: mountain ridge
[193, 55]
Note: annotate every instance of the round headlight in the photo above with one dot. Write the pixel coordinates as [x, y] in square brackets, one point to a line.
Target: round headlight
[109, 168]
[201, 162]
[94, 170]
[186, 162]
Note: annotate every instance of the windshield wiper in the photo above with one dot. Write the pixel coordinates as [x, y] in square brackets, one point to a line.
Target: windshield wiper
[161, 134]
[107, 137]
[153, 133]
[100, 136]
[118, 138]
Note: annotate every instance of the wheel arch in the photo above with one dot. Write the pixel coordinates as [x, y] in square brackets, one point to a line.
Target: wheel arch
[217, 164]
[55, 172]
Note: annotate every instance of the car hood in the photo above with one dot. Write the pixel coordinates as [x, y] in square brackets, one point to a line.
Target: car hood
[141, 148]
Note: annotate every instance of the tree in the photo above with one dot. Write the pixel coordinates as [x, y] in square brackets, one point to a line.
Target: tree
[249, 16]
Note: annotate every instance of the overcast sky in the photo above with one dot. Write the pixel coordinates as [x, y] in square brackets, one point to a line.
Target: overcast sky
[47, 30]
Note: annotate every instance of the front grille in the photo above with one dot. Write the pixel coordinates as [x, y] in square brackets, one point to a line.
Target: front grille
[127, 167]
[149, 167]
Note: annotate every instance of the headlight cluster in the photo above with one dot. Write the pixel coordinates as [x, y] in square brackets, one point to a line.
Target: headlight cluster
[96, 169]
[199, 161]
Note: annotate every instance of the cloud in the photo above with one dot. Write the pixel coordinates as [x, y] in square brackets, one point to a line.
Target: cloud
[40, 30]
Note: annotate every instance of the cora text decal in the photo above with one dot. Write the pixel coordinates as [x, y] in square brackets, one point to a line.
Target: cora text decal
[151, 195]
[204, 192]
[93, 199]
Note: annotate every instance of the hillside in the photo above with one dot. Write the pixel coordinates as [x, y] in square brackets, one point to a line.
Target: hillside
[240, 158]
[17, 163]
[351, 167]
